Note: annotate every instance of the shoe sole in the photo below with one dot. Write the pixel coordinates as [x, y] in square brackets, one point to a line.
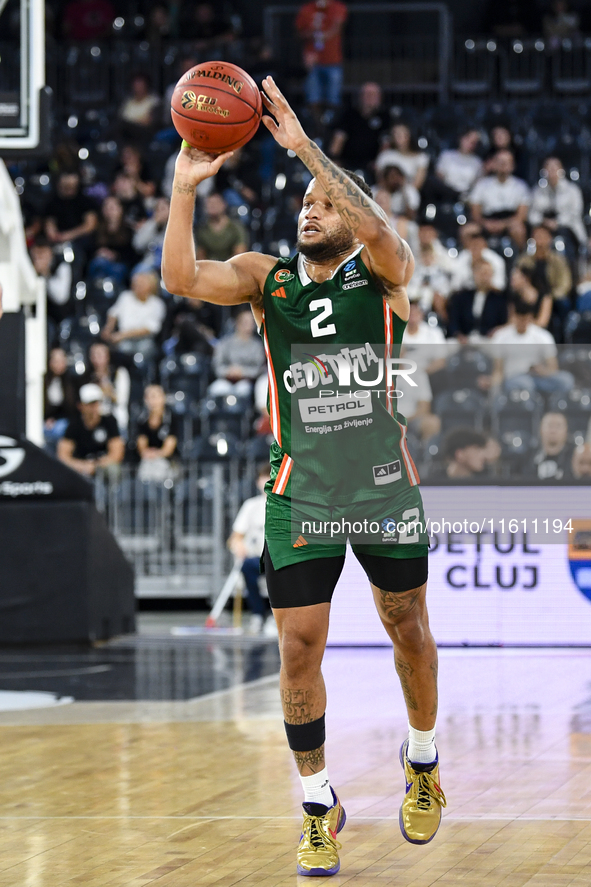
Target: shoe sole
[400, 818]
[323, 873]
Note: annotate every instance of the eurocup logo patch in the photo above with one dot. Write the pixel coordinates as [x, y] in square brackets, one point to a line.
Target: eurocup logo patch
[11, 454]
[188, 100]
[283, 275]
[349, 266]
[579, 556]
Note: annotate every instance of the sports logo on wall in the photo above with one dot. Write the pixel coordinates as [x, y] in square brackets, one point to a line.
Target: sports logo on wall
[579, 556]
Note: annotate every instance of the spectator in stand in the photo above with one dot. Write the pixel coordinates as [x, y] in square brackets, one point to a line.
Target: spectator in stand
[550, 274]
[553, 459]
[60, 395]
[477, 313]
[220, 237]
[114, 255]
[562, 24]
[557, 203]
[356, 139]
[423, 342]
[523, 289]
[194, 326]
[113, 381]
[407, 228]
[526, 356]
[134, 166]
[239, 181]
[70, 215]
[414, 403]
[58, 280]
[238, 359]
[404, 153]
[138, 315]
[138, 114]
[320, 26]
[158, 435]
[404, 198]
[246, 544]
[475, 249]
[466, 454]
[125, 190]
[430, 282]
[581, 463]
[459, 168]
[500, 202]
[149, 237]
[500, 138]
[91, 441]
[210, 31]
[88, 20]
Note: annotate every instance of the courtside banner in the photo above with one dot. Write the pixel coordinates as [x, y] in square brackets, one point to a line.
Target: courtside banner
[499, 587]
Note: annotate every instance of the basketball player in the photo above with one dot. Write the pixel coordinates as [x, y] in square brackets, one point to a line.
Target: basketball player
[346, 284]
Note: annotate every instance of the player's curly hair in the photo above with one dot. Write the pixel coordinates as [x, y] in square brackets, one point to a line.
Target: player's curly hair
[361, 183]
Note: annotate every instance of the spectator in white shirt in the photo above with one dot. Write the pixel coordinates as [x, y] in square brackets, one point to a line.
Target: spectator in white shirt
[404, 198]
[459, 168]
[430, 283]
[476, 250]
[525, 356]
[138, 315]
[500, 202]
[246, 544]
[404, 153]
[557, 203]
[423, 342]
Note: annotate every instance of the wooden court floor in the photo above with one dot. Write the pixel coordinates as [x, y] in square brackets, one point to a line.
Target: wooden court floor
[204, 792]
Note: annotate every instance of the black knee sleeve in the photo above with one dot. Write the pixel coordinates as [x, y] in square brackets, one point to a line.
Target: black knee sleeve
[306, 737]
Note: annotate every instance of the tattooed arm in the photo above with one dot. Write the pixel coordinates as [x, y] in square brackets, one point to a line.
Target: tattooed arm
[240, 279]
[390, 257]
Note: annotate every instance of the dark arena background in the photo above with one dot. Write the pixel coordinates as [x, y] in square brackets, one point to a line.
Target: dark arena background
[141, 734]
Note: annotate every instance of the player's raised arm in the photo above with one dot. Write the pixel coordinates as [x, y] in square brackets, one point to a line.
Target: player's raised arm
[391, 258]
[228, 283]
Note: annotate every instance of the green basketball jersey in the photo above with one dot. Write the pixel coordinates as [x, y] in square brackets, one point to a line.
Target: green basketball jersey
[332, 351]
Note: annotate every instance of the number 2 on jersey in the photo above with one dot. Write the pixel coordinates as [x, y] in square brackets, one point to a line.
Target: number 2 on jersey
[326, 306]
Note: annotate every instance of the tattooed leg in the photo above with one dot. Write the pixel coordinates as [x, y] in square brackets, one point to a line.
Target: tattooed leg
[404, 616]
[302, 639]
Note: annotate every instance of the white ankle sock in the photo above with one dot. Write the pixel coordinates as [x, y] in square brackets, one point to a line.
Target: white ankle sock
[317, 788]
[421, 745]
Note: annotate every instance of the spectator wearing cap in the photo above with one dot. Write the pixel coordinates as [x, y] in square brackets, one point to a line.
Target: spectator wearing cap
[459, 168]
[552, 461]
[500, 202]
[91, 440]
[355, 141]
[476, 313]
[138, 315]
[526, 355]
[475, 249]
[557, 203]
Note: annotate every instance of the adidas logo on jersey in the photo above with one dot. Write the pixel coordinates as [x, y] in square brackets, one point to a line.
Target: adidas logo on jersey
[299, 542]
[387, 474]
[280, 293]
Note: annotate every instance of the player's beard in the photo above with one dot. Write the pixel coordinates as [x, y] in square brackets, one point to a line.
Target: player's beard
[333, 245]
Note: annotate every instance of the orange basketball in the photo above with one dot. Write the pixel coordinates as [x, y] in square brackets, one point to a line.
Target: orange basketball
[216, 106]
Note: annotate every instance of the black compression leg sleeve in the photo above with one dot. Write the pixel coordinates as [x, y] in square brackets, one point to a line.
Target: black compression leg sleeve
[306, 737]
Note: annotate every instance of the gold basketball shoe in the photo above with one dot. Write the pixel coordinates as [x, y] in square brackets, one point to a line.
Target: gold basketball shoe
[420, 811]
[318, 852]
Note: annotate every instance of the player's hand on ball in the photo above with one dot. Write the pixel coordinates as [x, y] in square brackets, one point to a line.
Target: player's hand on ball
[287, 131]
[193, 166]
